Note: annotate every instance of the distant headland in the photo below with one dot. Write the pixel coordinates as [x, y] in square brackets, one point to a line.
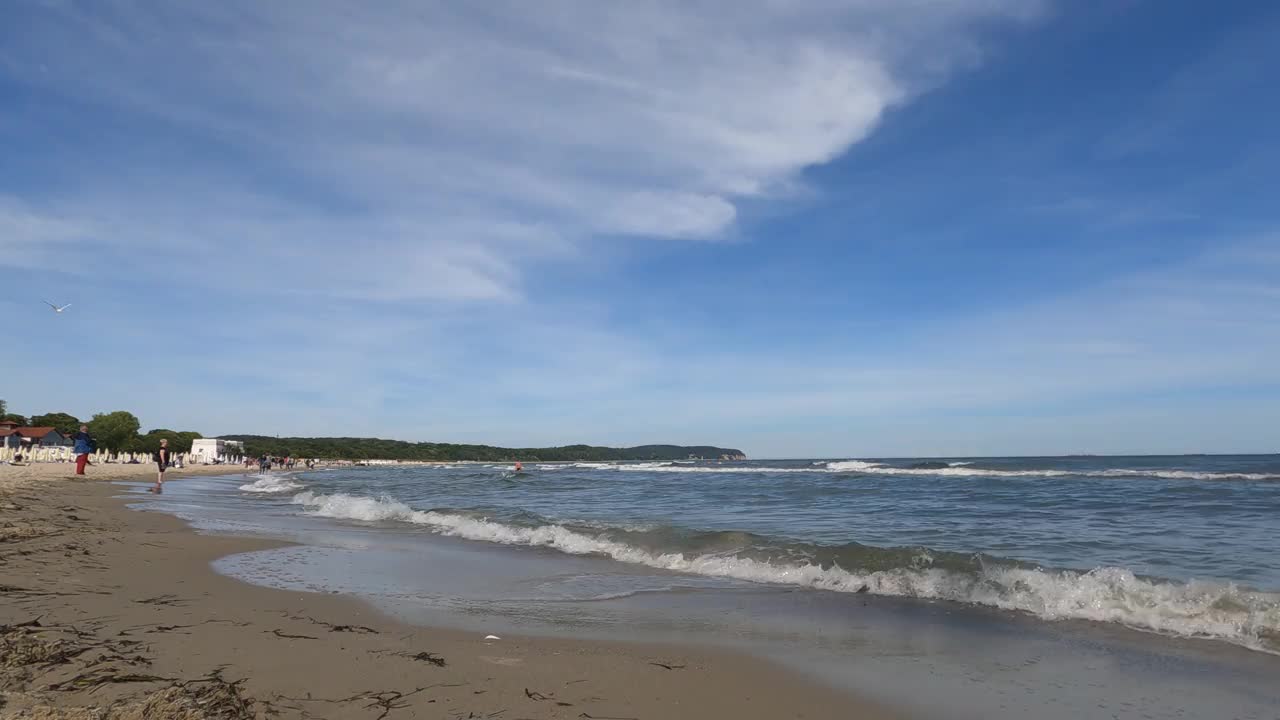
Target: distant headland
[347, 448]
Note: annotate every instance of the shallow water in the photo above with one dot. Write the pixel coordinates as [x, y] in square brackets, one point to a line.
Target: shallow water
[1071, 587]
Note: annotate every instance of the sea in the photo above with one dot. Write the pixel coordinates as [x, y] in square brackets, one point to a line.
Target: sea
[1063, 587]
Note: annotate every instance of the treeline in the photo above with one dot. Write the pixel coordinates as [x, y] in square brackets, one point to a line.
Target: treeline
[347, 448]
[118, 431]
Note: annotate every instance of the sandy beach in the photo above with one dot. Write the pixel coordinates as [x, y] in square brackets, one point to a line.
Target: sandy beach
[113, 613]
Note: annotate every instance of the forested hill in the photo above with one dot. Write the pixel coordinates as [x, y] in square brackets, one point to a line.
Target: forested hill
[343, 448]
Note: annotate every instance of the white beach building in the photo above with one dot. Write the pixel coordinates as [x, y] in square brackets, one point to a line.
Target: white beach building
[207, 451]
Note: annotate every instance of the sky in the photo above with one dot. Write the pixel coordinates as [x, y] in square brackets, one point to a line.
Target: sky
[835, 228]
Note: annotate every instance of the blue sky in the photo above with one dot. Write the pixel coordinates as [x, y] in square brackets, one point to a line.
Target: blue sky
[860, 227]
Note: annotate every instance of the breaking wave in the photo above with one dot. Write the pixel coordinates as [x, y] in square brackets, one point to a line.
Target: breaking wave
[272, 484]
[965, 469]
[918, 469]
[1107, 594]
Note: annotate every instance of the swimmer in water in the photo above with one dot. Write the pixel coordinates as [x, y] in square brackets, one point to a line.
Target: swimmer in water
[519, 467]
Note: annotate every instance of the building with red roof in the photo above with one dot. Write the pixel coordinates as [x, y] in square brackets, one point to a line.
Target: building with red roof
[13, 436]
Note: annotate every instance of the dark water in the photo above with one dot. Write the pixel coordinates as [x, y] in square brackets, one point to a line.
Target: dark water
[1043, 571]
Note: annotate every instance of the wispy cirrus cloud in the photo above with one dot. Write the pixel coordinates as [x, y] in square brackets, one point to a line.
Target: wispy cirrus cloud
[419, 151]
[394, 177]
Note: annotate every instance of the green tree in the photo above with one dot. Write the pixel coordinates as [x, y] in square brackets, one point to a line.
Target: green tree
[6, 415]
[62, 422]
[185, 437]
[116, 430]
[179, 442]
[367, 448]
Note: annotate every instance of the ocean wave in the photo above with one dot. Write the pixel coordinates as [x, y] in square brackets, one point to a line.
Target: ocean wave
[928, 469]
[966, 470]
[271, 484]
[658, 467]
[924, 468]
[1107, 594]
[852, 466]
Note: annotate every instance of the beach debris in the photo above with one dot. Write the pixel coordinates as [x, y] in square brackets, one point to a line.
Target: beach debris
[209, 698]
[32, 648]
[24, 592]
[15, 533]
[360, 629]
[535, 695]
[212, 696]
[172, 600]
[668, 667]
[429, 657]
[492, 637]
[110, 658]
[95, 679]
[45, 712]
[280, 633]
[169, 628]
[353, 629]
[604, 717]
[21, 647]
[149, 629]
[387, 700]
[221, 701]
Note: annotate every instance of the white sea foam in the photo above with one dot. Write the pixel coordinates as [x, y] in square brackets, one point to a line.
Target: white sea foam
[964, 470]
[1108, 594]
[707, 469]
[953, 469]
[272, 484]
[1186, 475]
[852, 466]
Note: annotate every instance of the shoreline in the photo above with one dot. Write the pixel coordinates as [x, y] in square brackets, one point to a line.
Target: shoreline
[131, 616]
[16, 477]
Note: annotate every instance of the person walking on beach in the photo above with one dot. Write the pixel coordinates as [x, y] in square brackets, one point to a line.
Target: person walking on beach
[84, 446]
[162, 461]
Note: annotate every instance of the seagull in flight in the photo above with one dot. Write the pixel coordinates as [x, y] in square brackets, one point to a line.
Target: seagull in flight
[56, 308]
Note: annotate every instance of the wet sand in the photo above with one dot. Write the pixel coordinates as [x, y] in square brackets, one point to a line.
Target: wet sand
[110, 613]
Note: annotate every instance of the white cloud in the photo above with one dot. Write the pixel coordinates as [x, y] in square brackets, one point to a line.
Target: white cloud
[34, 239]
[566, 120]
[1088, 371]
[1016, 380]
[435, 152]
